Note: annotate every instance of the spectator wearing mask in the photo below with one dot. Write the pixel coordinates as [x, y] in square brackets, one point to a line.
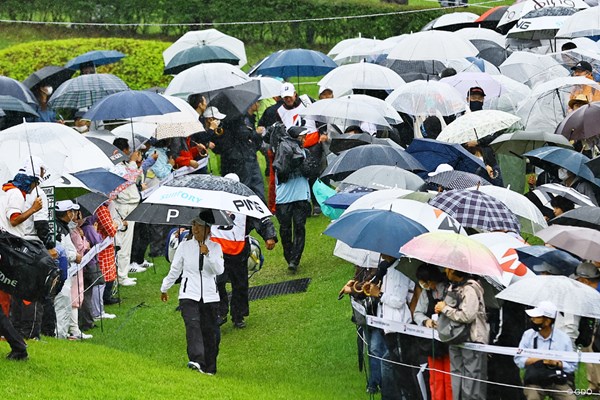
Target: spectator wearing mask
[571, 180]
[475, 98]
[584, 69]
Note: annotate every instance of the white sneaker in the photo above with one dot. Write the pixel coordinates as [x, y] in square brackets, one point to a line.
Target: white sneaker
[147, 264]
[105, 316]
[80, 335]
[135, 268]
[127, 282]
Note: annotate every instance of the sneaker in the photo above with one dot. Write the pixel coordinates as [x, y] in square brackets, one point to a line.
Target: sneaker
[127, 282]
[293, 267]
[147, 264]
[105, 316]
[196, 367]
[239, 324]
[80, 336]
[111, 301]
[135, 268]
[221, 320]
[17, 355]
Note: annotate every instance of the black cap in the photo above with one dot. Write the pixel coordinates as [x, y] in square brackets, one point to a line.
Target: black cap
[476, 90]
[296, 131]
[582, 66]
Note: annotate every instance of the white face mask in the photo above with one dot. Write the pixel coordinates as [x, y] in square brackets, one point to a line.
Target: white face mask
[48, 90]
[218, 122]
[563, 174]
[81, 129]
[72, 225]
[423, 286]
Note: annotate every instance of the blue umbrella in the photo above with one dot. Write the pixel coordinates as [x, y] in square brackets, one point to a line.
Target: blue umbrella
[199, 55]
[548, 259]
[552, 157]
[100, 180]
[343, 200]
[14, 88]
[130, 104]
[381, 231]
[294, 62]
[96, 57]
[432, 153]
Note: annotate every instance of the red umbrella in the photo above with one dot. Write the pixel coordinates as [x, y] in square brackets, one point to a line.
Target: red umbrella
[491, 17]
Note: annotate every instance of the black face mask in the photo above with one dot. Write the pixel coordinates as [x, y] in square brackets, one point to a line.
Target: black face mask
[476, 105]
[536, 327]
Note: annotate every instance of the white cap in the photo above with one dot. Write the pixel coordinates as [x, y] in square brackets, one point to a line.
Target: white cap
[138, 145]
[66, 205]
[287, 90]
[544, 309]
[36, 171]
[324, 88]
[213, 112]
[232, 176]
[441, 168]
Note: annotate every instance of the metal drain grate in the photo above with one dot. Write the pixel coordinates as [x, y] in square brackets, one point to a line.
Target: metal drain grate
[274, 289]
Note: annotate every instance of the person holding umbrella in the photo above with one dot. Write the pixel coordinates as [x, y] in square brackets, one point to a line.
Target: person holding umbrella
[198, 261]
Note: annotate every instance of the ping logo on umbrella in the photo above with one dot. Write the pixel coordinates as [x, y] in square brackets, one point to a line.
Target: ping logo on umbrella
[247, 204]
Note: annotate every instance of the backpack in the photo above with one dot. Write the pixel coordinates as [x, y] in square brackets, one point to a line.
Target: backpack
[449, 331]
[274, 135]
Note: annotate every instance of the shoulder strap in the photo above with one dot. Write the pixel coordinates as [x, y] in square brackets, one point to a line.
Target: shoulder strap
[535, 342]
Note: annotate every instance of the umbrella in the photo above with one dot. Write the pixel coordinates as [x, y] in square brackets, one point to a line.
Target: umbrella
[431, 153]
[491, 51]
[207, 37]
[294, 62]
[481, 34]
[433, 45]
[587, 217]
[520, 142]
[452, 22]
[14, 88]
[199, 55]
[374, 154]
[100, 180]
[518, 10]
[91, 201]
[205, 78]
[269, 87]
[452, 250]
[12, 105]
[451, 180]
[567, 192]
[411, 70]
[504, 247]
[512, 93]
[530, 217]
[342, 142]
[585, 23]
[548, 259]
[163, 214]
[582, 123]
[427, 98]
[50, 75]
[381, 231]
[531, 69]
[540, 24]
[473, 64]
[491, 17]
[384, 177]
[182, 123]
[205, 191]
[463, 81]
[567, 294]
[360, 76]
[356, 53]
[349, 43]
[129, 104]
[551, 157]
[349, 195]
[113, 153]
[96, 57]
[594, 166]
[86, 90]
[477, 125]
[235, 101]
[474, 209]
[583, 242]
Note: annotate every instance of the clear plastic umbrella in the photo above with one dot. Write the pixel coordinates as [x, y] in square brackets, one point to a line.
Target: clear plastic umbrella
[361, 76]
[513, 92]
[463, 81]
[356, 52]
[384, 177]
[433, 45]
[350, 43]
[205, 78]
[481, 34]
[427, 98]
[583, 24]
[531, 68]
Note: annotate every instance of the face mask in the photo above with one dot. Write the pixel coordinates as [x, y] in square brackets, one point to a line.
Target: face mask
[476, 105]
[218, 122]
[81, 129]
[563, 174]
[423, 286]
[536, 327]
[72, 225]
[48, 90]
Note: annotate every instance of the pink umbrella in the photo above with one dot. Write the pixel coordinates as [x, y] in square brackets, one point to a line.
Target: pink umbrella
[454, 251]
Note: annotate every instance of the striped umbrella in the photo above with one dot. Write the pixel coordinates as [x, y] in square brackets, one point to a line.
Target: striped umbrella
[86, 90]
[13, 105]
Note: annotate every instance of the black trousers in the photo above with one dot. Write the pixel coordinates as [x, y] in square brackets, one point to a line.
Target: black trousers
[201, 332]
[12, 336]
[502, 369]
[141, 240]
[48, 317]
[27, 318]
[292, 221]
[399, 382]
[236, 272]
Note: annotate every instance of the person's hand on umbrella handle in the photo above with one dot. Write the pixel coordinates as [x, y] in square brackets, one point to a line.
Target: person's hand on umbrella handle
[323, 138]
[270, 243]
[78, 258]
[439, 307]
[37, 205]
[201, 150]
[164, 297]
[204, 249]
[372, 290]
[553, 363]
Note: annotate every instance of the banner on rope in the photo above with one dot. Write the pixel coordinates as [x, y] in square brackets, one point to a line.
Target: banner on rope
[93, 252]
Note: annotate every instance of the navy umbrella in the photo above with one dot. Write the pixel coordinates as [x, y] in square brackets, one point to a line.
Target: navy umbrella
[130, 104]
[343, 199]
[372, 154]
[552, 157]
[491, 51]
[199, 55]
[14, 88]
[294, 62]
[381, 231]
[96, 57]
[100, 180]
[51, 75]
[547, 259]
[13, 106]
[432, 153]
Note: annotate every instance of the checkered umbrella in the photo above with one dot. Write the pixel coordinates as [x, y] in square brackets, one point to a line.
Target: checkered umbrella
[457, 180]
[474, 209]
[86, 90]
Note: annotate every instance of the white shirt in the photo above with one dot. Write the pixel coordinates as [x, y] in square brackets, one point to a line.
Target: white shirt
[12, 202]
[398, 291]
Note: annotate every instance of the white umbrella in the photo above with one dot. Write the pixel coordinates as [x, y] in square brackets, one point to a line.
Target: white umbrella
[583, 242]
[475, 125]
[386, 45]
[463, 81]
[530, 68]
[513, 92]
[347, 43]
[389, 113]
[178, 124]
[269, 87]
[207, 37]
[427, 98]
[473, 64]
[447, 21]
[205, 78]
[145, 129]
[567, 294]
[518, 10]
[433, 45]
[530, 217]
[481, 34]
[540, 24]
[582, 24]
[569, 193]
[361, 76]
[547, 104]
[356, 52]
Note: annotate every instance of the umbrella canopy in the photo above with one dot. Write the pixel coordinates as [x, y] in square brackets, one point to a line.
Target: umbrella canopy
[474, 209]
[491, 17]
[587, 217]
[97, 57]
[476, 125]
[381, 231]
[491, 51]
[463, 81]
[452, 250]
[451, 180]
[345, 197]
[520, 142]
[520, 9]
[199, 55]
[236, 100]
[357, 52]
[384, 177]
[512, 93]
[427, 98]
[489, 35]
[14, 88]
[360, 76]
[373, 154]
[206, 78]
[174, 216]
[585, 23]
[594, 166]
[433, 45]
[182, 123]
[112, 152]
[349, 43]
[531, 69]
[571, 160]
[556, 189]
[582, 123]
[129, 104]
[343, 142]
[295, 62]
[86, 90]
[412, 70]
[583, 242]
[269, 87]
[207, 37]
[389, 113]
[51, 75]
[567, 294]
[100, 180]
[548, 259]
[540, 24]
[530, 217]
[12, 105]
[452, 21]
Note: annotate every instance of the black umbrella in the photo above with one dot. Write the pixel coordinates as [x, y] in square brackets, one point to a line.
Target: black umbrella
[199, 55]
[112, 152]
[13, 107]
[14, 88]
[491, 51]
[347, 141]
[594, 165]
[91, 201]
[402, 67]
[235, 101]
[173, 215]
[51, 75]
[491, 17]
[587, 217]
